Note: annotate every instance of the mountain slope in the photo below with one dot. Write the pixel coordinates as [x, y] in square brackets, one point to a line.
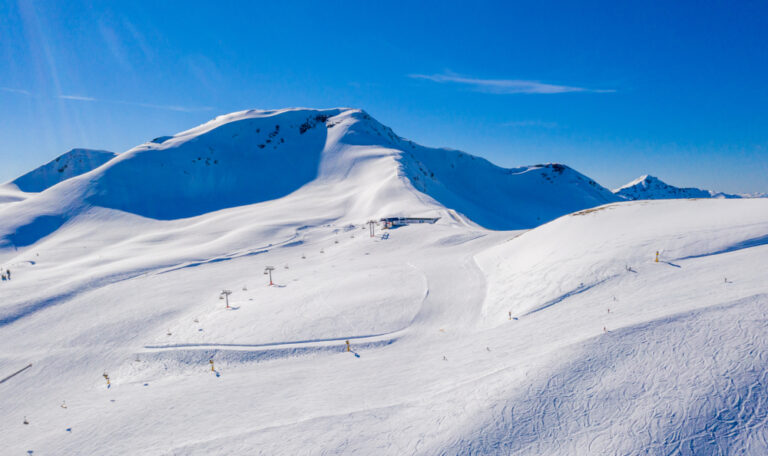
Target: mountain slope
[68, 165]
[442, 338]
[650, 187]
[359, 167]
[435, 365]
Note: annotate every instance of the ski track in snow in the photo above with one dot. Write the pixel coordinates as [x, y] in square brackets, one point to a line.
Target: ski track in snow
[725, 412]
[627, 391]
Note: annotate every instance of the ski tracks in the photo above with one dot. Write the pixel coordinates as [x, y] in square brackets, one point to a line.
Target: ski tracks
[692, 384]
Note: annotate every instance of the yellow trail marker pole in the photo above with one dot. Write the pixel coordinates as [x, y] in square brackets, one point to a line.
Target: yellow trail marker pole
[106, 377]
[348, 346]
[212, 369]
[657, 256]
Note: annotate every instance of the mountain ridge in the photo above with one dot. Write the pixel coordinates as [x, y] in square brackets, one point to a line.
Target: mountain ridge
[651, 187]
[341, 157]
[66, 166]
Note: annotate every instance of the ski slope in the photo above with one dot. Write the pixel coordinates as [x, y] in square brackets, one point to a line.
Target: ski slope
[566, 338]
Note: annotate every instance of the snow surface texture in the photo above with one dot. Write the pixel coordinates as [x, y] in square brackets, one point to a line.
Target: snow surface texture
[565, 339]
[650, 187]
[10, 194]
[71, 164]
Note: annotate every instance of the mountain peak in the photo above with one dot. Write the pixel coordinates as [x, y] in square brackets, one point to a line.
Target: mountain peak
[329, 164]
[70, 164]
[651, 187]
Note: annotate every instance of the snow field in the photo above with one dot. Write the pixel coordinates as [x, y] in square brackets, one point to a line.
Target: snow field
[609, 352]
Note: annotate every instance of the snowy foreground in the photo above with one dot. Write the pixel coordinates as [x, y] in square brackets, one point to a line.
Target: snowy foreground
[563, 339]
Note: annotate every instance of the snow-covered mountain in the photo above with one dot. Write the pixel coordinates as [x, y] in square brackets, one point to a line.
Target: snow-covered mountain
[68, 165]
[445, 338]
[649, 187]
[349, 162]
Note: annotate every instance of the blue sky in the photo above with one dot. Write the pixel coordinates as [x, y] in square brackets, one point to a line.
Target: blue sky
[674, 89]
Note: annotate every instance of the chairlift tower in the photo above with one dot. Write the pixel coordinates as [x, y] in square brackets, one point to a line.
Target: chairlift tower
[268, 270]
[226, 294]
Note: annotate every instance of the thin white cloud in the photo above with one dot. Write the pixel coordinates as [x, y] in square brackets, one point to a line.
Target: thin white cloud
[167, 107]
[12, 90]
[76, 97]
[504, 86]
[134, 103]
[530, 123]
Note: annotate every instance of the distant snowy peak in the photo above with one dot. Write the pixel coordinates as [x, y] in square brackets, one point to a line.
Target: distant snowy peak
[649, 187]
[68, 165]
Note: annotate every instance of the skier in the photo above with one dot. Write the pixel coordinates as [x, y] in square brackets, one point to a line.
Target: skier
[3, 274]
[8, 273]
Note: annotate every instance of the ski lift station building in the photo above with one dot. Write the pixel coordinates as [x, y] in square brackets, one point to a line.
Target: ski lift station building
[394, 222]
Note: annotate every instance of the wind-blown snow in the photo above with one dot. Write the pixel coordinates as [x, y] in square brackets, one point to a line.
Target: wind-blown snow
[564, 339]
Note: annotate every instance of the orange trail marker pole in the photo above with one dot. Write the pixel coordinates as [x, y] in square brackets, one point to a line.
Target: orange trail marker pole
[348, 349]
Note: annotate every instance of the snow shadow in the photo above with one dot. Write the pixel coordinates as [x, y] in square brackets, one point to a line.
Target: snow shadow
[754, 242]
[578, 290]
[182, 358]
[33, 231]
[239, 163]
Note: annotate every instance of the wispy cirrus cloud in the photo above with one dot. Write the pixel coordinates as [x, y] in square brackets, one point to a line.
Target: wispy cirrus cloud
[76, 97]
[12, 90]
[168, 107]
[504, 86]
[135, 103]
[72, 97]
